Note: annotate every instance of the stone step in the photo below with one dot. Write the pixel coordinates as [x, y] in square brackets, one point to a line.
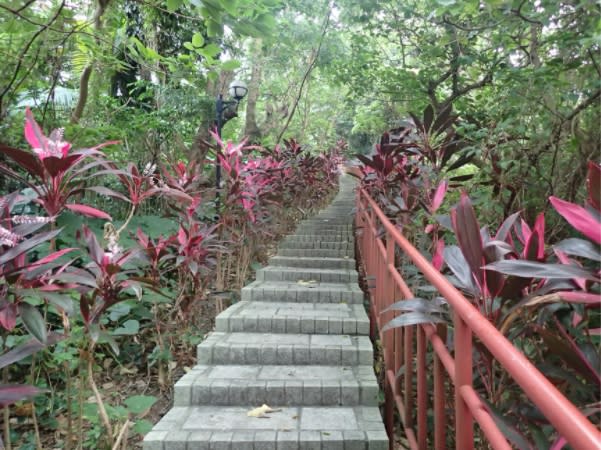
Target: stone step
[320, 228]
[271, 273]
[284, 349]
[316, 252]
[273, 317]
[308, 262]
[291, 428]
[331, 245]
[277, 385]
[317, 220]
[348, 237]
[318, 292]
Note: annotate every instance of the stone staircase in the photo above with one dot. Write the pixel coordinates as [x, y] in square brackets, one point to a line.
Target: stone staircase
[297, 341]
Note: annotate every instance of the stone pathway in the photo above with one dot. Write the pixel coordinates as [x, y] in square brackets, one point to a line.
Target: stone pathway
[297, 341]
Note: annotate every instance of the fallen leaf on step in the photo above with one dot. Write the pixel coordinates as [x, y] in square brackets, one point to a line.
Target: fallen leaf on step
[262, 411]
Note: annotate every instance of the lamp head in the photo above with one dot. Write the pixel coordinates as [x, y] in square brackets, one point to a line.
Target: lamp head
[238, 90]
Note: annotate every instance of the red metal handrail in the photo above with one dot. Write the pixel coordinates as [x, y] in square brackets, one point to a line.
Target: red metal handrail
[399, 343]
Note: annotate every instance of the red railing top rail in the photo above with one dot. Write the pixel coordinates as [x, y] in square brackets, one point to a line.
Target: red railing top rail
[561, 413]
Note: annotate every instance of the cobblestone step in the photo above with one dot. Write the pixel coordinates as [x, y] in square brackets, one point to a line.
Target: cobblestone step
[316, 292]
[284, 349]
[291, 428]
[298, 342]
[274, 317]
[347, 238]
[249, 385]
[329, 245]
[271, 273]
[308, 262]
[316, 252]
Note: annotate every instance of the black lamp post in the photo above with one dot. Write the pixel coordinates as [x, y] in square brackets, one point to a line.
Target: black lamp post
[237, 90]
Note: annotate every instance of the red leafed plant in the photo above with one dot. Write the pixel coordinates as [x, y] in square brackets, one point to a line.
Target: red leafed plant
[58, 172]
[22, 278]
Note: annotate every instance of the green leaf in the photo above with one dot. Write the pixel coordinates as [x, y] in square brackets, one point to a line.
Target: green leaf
[129, 328]
[139, 404]
[189, 46]
[172, 5]
[210, 51]
[214, 29]
[197, 40]
[33, 321]
[230, 6]
[232, 64]
[142, 426]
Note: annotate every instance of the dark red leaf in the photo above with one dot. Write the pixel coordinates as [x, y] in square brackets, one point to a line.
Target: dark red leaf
[12, 393]
[84, 307]
[109, 192]
[25, 160]
[8, 316]
[468, 236]
[428, 118]
[505, 227]
[593, 184]
[27, 245]
[533, 269]
[55, 166]
[27, 348]
[579, 218]
[534, 250]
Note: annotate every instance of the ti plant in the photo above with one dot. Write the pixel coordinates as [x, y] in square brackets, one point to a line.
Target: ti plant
[58, 173]
[26, 283]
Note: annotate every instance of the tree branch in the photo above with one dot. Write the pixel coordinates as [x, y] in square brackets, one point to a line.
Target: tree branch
[306, 76]
[26, 49]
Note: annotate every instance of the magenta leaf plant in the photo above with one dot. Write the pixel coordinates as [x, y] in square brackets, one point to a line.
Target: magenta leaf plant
[22, 278]
[58, 174]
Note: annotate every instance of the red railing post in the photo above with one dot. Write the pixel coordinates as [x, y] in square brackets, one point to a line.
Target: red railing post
[464, 427]
[440, 421]
[422, 388]
[387, 298]
[569, 422]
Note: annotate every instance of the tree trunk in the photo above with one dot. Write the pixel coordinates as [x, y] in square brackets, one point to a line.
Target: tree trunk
[84, 81]
[251, 129]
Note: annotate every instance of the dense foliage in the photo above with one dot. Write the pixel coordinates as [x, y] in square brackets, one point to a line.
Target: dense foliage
[152, 287]
[500, 99]
[543, 295]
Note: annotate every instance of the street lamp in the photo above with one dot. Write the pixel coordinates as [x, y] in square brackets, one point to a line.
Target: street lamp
[226, 110]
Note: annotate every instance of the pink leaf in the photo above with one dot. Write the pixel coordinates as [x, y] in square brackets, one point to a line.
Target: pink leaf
[33, 133]
[558, 444]
[88, 211]
[579, 218]
[438, 197]
[580, 297]
[51, 257]
[437, 257]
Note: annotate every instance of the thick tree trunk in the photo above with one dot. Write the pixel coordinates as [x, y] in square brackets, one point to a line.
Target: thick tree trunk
[84, 81]
[251, 129]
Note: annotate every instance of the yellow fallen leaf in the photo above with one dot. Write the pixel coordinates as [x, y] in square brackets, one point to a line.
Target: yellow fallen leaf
[261, 411]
